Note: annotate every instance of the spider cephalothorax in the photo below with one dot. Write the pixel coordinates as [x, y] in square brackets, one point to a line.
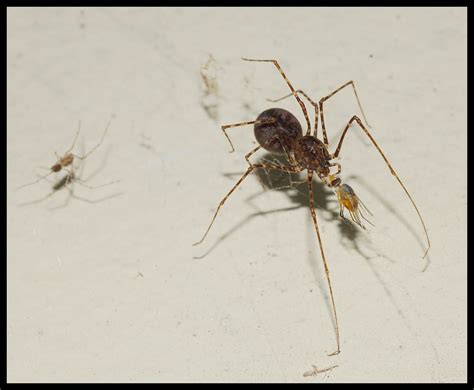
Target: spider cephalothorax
[311, 153]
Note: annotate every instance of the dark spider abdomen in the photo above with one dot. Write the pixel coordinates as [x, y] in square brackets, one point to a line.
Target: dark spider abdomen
[280, 135]
[311, 153]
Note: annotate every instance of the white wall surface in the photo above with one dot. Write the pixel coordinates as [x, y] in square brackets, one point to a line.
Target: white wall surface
[115, 291]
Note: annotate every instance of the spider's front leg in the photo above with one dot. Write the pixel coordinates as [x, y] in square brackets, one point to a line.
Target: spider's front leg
[250, 169]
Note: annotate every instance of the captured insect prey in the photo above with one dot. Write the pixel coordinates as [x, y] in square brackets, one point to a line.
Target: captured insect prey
[279, 132]
[350, 201]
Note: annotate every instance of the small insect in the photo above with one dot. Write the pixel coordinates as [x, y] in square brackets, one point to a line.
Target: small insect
[66, 163]
[350, 201]
[279, 132]
[210, 97]
[315, 371]
[209, 78]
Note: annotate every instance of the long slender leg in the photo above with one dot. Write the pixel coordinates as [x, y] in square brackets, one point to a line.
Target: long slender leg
[253, 151]
[326, 269]
[56, 187]
[300, 102]
[75, 139]
[38, 200]
[81, 182]
[355, 118]
[95, 147]
[224, 127]
[70, 187]
[247, 158]
[36, 181]
[248, 172]
[269, 120]
[322, 100]
[292, 184]
[316, 113]
[314, 104]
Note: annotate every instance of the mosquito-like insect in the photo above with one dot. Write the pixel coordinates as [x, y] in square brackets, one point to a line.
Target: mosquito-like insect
[66, 163]
[279, 132]
[68, 158]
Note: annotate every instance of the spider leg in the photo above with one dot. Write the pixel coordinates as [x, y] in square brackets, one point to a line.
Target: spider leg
[247, 156]
[224, 127]
[323, 99]
[260, 121]
[326, 269]
[250, 169]
[70, 187]
[300, 102]
[36, 181]
[82, 183]
[316, 113]
[355, 118]
[56, 187]
[95, 147]
[75, 139]
[288, 156]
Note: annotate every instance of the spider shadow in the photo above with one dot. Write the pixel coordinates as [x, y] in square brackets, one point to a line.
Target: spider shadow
[392, 210]
[299, 196]
[350, 234]
[327, 209]
[294, 186]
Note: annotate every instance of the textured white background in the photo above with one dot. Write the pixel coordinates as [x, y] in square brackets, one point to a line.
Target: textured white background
[112, 291]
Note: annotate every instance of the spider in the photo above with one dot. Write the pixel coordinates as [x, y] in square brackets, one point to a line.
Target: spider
[279, 132]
